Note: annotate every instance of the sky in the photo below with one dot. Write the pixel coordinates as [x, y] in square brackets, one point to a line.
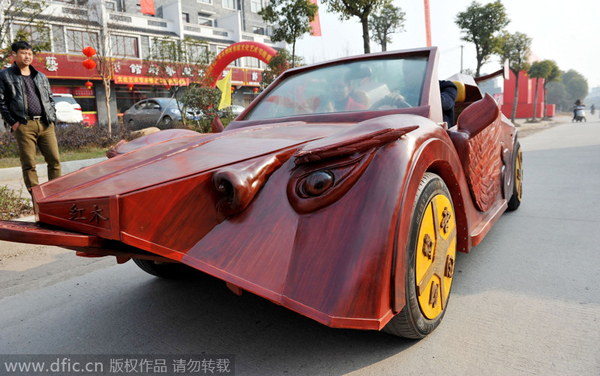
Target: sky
[568, 34]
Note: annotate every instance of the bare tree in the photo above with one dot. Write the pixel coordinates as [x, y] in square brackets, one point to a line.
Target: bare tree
[22, 17]
[96, 34]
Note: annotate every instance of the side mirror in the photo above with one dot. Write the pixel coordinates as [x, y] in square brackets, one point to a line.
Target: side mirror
[156, 107]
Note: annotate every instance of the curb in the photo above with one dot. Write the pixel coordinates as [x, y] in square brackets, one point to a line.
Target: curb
[15, 173]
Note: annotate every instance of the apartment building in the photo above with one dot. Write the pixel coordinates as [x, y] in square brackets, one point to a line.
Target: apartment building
[128, 29]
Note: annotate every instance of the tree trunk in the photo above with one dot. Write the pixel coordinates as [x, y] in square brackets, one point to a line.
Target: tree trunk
[537, 81]
[384, 44]
[294, 54]
[106, 82]
[514, 109]
[479, 60]
[365, 26]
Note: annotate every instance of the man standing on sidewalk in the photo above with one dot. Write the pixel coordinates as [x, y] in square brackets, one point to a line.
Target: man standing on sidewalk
[26, 104]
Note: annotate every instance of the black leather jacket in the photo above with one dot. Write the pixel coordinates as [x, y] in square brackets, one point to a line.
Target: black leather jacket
[13, 102]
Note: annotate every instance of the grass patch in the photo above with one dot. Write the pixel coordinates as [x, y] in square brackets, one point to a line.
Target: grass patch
[12, 205]
[65, 156]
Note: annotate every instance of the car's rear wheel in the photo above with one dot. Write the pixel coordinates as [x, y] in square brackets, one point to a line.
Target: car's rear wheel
[131, 124]
[165, 270]
[430, 256]
[517, 193]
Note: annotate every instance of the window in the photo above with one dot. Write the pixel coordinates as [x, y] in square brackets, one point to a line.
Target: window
[77, 40]
[203, 19]
[124, 46]
[185, 17]
[251, 62]
[197, 53]
[258, 30]
[256, 6]
[114, 5]
[36, 36]
[235, 63]
[230, 4]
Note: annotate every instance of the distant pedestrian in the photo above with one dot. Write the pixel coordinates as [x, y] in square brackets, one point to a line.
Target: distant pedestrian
[27, 107]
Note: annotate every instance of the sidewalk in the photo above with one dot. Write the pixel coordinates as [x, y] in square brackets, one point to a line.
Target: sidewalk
[526, 129]
[12, 177]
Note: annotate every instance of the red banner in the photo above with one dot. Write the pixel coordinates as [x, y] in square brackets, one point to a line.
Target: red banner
[126, 71]
[83, 92]
[62, 90]
[145, 80]
[148, 7]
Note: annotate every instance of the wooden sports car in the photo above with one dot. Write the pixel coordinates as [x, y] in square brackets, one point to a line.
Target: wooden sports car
[339, 193]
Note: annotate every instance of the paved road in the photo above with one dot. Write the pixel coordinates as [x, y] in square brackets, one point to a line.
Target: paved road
[526, 301]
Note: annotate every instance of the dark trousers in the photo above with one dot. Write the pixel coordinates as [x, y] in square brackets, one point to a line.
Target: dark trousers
[37, 132]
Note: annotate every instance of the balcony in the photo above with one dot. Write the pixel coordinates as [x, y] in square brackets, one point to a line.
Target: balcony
[140, 21]
[207, 32]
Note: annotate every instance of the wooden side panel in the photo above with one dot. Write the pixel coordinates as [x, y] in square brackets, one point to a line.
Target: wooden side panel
[479, 146]
[483, 174]
[34, 233]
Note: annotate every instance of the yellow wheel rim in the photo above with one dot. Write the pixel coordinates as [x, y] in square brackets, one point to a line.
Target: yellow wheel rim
[435, 255]
[519, 174]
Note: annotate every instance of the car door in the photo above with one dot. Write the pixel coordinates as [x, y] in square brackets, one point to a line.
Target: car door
[153, 111]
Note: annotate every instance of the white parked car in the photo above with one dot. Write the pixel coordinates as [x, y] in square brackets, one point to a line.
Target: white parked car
[67, 109]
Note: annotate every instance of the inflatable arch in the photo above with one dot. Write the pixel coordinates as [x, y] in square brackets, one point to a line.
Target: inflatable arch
[235, 51]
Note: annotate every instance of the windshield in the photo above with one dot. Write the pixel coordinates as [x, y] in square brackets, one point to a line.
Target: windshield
[357, 86]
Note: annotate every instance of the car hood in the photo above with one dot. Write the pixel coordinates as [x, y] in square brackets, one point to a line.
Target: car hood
[178, 158]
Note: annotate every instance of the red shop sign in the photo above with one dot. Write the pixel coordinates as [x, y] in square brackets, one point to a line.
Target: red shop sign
[82, 91]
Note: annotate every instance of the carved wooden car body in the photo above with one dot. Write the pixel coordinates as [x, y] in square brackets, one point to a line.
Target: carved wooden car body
[349, 216]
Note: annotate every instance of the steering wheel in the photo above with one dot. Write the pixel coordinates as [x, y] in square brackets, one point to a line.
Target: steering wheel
[392, 100]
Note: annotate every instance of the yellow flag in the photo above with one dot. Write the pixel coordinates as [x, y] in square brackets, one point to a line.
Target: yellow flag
[225, 86]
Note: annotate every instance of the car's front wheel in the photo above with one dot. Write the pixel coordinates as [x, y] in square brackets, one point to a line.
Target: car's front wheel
[430, 256]
[166, 121]
[165, 270]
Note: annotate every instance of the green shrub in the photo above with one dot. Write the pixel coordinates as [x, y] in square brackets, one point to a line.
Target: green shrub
[75, 137]
[12, 205]
[8, 146]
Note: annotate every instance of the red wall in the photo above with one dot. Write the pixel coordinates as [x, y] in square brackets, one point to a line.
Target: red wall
[526, 97]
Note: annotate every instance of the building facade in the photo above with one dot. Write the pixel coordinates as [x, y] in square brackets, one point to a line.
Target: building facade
[125, 31]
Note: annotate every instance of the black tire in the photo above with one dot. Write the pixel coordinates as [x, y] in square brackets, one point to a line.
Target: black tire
[420, 315]
[131, 124]
[517, 192]
[166, 121]
[165, 270]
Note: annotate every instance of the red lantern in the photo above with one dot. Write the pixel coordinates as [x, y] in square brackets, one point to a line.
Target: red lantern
[89, 84]
[255, 90]
[130, 86]
[168, 86]
[232, 89]
[89, 51]
[89, 64]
